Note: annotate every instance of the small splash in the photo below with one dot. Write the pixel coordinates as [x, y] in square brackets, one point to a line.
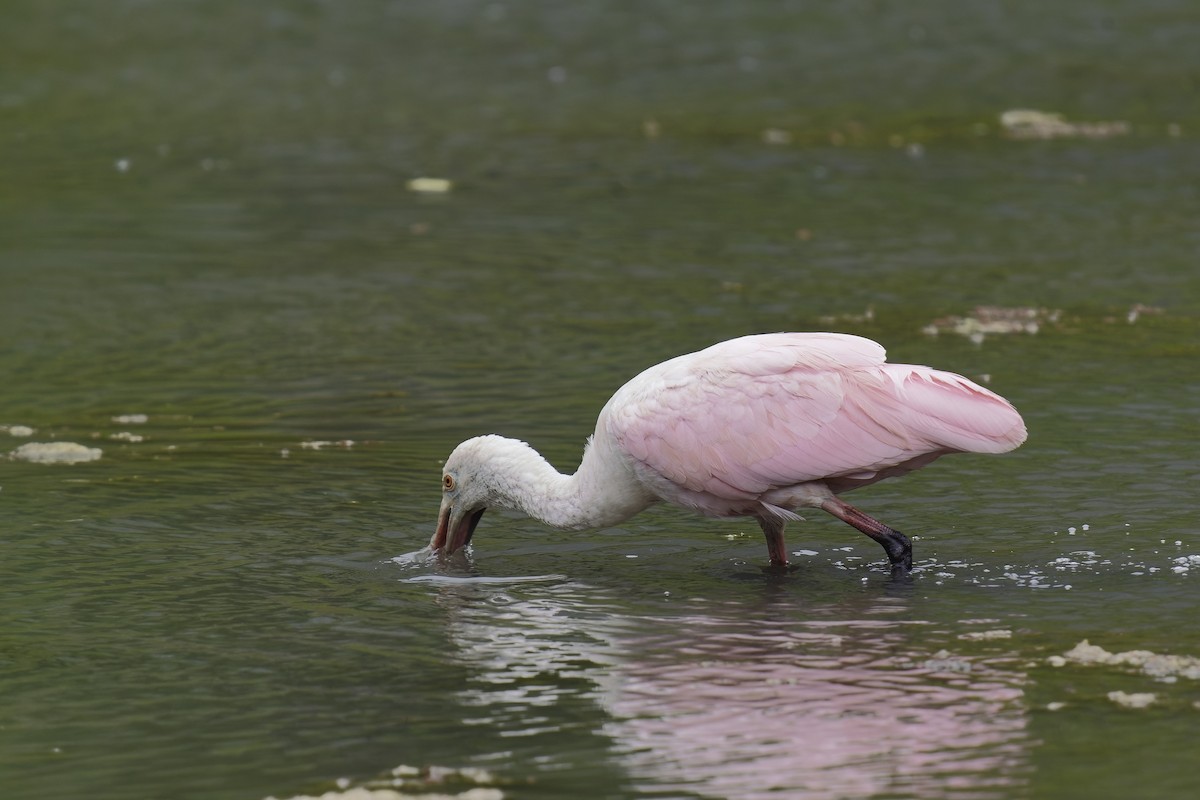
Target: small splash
[17, 430]
[417, 558]
[55, 453]
[1064, 570]
[126, 436]
[426, 558]
[131, 419]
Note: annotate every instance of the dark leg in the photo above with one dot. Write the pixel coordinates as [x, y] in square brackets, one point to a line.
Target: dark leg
[773, 530]
[894, 543]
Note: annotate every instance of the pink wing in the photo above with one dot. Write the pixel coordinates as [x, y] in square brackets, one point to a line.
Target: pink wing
[716, 429]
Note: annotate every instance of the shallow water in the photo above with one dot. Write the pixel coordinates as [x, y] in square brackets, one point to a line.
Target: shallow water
[207, 221]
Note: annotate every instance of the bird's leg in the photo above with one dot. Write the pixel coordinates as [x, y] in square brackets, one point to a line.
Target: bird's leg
[894, 543]
[773, 530]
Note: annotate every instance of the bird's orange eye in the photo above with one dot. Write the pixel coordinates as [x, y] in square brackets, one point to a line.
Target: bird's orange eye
[448, 483]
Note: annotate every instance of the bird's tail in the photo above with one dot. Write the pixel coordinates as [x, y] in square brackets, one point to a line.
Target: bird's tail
[958, 414]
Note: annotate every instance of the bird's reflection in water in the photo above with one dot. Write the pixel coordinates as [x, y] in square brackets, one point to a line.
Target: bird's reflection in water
[733, 702]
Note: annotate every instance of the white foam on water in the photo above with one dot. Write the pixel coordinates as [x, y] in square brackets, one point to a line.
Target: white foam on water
[1028, 123]
[318, 444]
[55, 453]
[368, 793]
[1156, 665]
[986, 636]
[412, 783]
[1134, 699]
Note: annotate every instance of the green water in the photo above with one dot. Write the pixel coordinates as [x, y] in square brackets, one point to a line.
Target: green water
[204, 218]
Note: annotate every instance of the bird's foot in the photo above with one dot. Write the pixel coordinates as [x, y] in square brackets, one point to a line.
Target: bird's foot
[898, 548]
[894, 543]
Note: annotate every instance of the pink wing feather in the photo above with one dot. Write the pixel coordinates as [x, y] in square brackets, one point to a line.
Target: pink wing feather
[715, 430]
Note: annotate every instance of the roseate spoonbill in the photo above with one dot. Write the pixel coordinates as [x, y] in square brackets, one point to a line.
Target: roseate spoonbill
[758, 426]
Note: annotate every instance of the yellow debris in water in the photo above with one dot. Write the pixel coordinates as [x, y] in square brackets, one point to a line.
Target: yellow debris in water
[430, 185]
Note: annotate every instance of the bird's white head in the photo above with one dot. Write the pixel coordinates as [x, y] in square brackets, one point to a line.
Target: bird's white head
[466, 493]
[493, 471]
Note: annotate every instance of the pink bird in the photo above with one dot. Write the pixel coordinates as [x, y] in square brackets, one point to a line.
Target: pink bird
[758, 426]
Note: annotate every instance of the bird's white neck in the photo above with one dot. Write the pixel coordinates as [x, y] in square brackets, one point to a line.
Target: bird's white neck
[601, 492]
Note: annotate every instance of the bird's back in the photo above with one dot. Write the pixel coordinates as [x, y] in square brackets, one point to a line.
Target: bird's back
[716, 429]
